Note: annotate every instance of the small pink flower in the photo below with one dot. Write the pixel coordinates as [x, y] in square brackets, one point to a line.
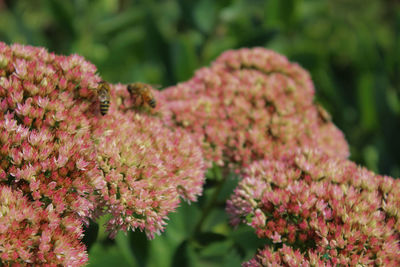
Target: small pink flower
[276, 238]
[81, 164]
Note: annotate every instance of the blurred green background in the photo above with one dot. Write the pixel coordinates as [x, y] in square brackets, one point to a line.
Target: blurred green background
[350, 47]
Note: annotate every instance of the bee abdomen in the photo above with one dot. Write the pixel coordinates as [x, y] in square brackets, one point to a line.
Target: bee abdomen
[104, 106]
[152, 103]
[130, 89]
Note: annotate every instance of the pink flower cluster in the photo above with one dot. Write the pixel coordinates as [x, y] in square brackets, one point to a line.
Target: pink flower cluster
[147, 167]
[70, 163]
[317, 210]
[47, 157]
[46, 148]
[46, 154]
[62, 163]
[249, 105]
[33, 235]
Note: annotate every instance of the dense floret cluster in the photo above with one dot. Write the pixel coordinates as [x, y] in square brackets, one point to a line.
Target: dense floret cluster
[139, 156]
[323, 210]
[70, 163]
[47, 154]
[46, 148]
[249, 105]
[34, 235]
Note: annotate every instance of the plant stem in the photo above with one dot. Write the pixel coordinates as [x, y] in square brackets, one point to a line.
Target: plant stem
[211, 204]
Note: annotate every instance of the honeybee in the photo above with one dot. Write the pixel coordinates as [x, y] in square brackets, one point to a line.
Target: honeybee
[104, 97]
[143, 92]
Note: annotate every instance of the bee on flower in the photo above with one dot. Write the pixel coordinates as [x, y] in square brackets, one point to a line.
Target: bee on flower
[104, 97]
[142, 94]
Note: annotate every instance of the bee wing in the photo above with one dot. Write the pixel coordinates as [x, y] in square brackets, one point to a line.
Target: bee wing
[156, 86]
[133, 88]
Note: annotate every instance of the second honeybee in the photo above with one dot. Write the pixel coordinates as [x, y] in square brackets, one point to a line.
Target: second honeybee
[142, 94]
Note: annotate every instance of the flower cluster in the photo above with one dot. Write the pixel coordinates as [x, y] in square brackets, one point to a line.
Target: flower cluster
[34, 235]
[46, 151]
[323, 210]
[147, 167]
[249, 105]
[71, 163]
[46, 148]
[284, 256]
[61, 162]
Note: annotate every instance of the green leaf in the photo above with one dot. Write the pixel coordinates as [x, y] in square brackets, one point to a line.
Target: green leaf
[216, 249]
[164, 247]
[182, 222]
[215, 46]
[102, 233]
[63, 13]
[366, 97]
[206, 238]
[90, 234]
[184, 58]
[272, 13]
[184, 255]
[249, 218]
[122, 242]
[180, 228]
[247, 241]
[205, 15]
[228, 187]
[393, 100]
[103, 256]
[139, 245]
[281, 12]
[232, 258]
[217, 220]
[127, 38]
[371, 157]
[123, 21]
[214, 173]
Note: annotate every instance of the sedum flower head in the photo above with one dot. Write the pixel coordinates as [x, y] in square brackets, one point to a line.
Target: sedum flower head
[33, 235]
[251, 104]
[61, 154]
[45, 138]
[147, 168]
[46, 152]
[326, 207]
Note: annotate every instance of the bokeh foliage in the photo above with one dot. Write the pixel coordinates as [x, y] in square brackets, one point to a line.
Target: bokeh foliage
[350, 47]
